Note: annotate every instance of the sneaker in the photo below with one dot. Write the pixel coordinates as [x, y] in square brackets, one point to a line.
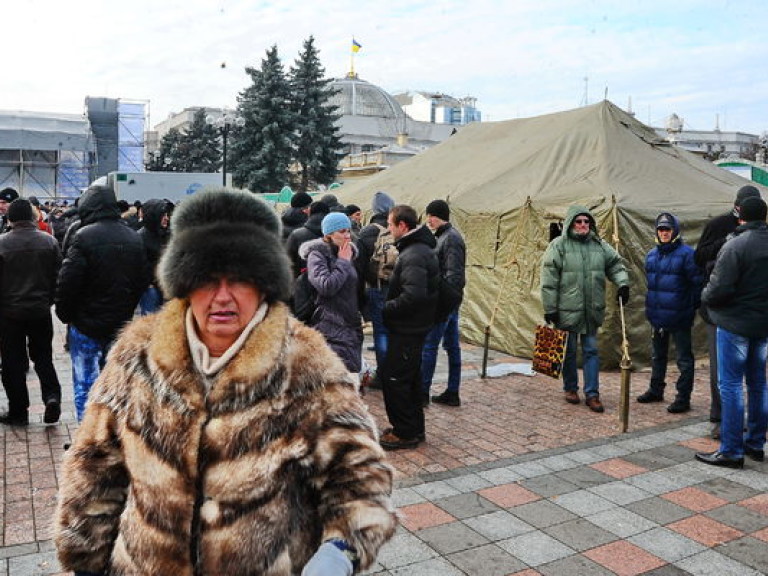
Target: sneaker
[52, 412]
[679, 406]
[14, 419]
[648, 396]
[572, 397]
[594, 404]
[447, 398]
[391, 441]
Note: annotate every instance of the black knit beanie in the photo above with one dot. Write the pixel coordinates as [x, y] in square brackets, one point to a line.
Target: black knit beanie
[440, 209]
[753, 209]
[20, 210]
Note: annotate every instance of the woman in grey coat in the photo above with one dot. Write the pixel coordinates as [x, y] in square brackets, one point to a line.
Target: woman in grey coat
[331, 271]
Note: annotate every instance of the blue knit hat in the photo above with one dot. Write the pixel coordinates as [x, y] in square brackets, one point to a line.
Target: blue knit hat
[335, 221]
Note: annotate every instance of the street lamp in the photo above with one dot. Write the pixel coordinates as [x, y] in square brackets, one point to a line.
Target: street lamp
[225, 123]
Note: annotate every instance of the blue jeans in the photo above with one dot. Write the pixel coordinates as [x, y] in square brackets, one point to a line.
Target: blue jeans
[590, 362]
[660, 341]
[151, 301]
[88, 358]
[448, 332]
[740, 358]
[376, 299]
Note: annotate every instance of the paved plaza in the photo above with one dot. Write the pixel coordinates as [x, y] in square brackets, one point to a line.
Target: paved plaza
[515, 481]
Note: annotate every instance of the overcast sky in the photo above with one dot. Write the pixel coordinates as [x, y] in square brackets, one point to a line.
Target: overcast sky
[519, 58]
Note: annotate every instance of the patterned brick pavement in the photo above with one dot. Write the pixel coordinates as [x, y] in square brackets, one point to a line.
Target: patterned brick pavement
[515, 481]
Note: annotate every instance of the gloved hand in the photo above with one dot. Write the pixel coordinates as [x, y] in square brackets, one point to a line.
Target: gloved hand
[551, 317]
[328, 561]
[623, 295]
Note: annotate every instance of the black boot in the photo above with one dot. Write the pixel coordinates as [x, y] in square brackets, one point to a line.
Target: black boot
[448, 398]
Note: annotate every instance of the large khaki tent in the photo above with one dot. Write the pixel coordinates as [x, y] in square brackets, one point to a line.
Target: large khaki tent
[507, 181]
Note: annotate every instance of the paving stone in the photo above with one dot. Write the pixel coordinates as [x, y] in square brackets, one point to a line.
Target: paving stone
[738, 517]
[749, 551]
[466, 505]
[676, 452]
[468, 483]
[620, 492]
[667, 544]
[435, 490]
[499, 525]
[610, 451]
[728, 489]
[19, 550]
[585, 456]
[654, 482]
[542, 513]
[621, 522]
[580, 534]
[404, 549]
[549, 485]
[754, 478]
[650, 459]
[585, 477]
[659, 510]
[668, 570]
[487, 560]
[712, 563]
[434, 567]
[530, 469]
[40, 564]
[536, 548]
[499, 476]
[575, 565]
[583, 503]
[452, 537]
[559, 462]
[405, 497]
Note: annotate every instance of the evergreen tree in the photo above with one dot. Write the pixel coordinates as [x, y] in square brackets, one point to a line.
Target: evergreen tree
[317, 138]
[199, 149]
[261, 151]
[166, 158]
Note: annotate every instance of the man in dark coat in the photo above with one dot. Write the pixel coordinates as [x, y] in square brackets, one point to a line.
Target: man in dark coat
[409, 313]
[29, 262]
[7, 195]
[154, 232]
[712, 239]
[101, 280]
[452, 257]
[736, 298]
[312, 229]
[297, 213]
[674, 292]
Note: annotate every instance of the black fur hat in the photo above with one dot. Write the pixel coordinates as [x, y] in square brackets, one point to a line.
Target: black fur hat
[224, 233]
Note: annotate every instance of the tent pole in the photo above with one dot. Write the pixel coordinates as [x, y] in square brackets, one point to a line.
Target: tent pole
[484, 371]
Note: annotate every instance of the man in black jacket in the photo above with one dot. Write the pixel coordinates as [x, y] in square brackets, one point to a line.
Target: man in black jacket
[7, 195]
[310, 231]
[736, 297]
[452, 257]
[409, 313]
[154, 233]
[29, 262]
[101, 280]
[712, 239]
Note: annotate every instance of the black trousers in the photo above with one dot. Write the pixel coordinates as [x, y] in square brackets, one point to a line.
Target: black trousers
[402, 384]
[14, 333]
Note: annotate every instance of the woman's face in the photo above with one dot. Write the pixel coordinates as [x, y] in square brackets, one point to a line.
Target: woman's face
[222, 309]
[340, 237]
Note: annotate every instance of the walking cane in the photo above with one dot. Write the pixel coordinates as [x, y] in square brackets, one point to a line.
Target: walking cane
[626, 374]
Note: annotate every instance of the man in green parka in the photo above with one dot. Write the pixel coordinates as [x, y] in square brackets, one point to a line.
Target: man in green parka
[573, 274]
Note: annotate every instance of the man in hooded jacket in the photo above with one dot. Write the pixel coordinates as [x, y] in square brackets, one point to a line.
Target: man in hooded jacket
[574, 269]
[674, 293]
[100, 282]
[154, 233]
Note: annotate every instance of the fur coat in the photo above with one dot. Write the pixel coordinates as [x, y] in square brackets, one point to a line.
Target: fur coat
[246, 479]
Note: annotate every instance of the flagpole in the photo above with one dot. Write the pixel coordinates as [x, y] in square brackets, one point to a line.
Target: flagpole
[352, 58]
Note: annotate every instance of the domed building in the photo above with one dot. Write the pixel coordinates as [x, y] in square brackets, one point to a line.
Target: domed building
[375, 131]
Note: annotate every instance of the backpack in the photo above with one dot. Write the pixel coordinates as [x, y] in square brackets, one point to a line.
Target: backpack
[384, 256]
[304, 298]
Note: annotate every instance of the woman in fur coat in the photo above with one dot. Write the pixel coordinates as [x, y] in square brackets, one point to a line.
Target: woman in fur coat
[223, 436]
[331, 271]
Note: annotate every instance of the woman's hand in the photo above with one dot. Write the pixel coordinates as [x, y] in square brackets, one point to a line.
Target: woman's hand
[345, 251]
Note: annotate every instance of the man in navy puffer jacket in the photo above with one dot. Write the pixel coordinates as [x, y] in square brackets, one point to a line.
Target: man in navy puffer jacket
[674, 291]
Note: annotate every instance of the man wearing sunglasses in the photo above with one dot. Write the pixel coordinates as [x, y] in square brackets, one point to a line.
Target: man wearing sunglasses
[574, 270]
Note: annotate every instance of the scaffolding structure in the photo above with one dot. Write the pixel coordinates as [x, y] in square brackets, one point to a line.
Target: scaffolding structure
[47, 155]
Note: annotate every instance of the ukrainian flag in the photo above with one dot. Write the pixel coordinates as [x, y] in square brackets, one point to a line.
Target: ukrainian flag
[356, 46]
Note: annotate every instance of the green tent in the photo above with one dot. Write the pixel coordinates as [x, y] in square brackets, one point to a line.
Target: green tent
[507, 181]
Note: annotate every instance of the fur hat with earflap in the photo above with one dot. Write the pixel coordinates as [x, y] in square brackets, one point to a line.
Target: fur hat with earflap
[220, 233]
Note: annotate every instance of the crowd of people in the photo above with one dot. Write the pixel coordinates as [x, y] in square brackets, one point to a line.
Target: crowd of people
[216, 416]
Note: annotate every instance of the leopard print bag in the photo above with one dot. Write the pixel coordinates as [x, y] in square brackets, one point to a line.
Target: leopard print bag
[549, 350]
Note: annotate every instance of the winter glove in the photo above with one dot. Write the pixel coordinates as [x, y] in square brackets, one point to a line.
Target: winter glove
[623, 295]
[328, 561]
[551, 317]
